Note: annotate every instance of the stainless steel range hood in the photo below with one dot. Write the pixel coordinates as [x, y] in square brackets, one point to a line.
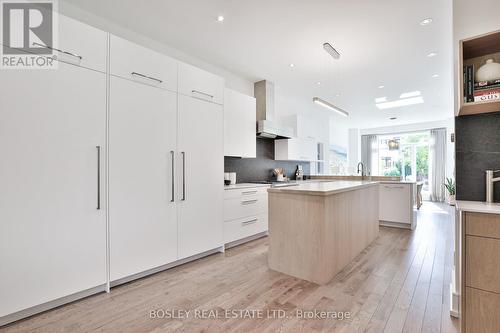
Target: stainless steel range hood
[267, 125]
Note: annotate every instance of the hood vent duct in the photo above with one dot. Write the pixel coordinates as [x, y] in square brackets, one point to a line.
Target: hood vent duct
[267, 124]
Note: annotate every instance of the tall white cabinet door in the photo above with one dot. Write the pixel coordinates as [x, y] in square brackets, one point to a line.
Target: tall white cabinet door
[201, 138]
[143, 221]
[52, 236]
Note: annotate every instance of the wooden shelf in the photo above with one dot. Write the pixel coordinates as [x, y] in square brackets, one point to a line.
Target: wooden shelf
[475, 51]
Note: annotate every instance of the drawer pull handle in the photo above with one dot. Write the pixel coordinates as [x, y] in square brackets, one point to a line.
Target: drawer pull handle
[146, 77]
[249, 202]
[249, 192]
[60, 51]
[201, 93]
[249, 222]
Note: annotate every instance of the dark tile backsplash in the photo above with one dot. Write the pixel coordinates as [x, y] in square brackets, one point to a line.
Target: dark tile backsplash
[477, 150]
[261, 168]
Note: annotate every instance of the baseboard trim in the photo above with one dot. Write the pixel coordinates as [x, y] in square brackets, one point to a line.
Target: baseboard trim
[246, 239]
[13, 317]
[159, 269]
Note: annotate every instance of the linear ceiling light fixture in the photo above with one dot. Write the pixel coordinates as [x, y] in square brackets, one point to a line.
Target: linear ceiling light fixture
[330, 106]
[331, 51]
[410, 94]
[400, 103]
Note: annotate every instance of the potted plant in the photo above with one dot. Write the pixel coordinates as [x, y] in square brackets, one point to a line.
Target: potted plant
[451, 187]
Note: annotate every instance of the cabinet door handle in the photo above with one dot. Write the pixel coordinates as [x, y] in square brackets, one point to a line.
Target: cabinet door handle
[146, 77]
[249, 222]
[172, 153]
[60, 51]
[201, 93]
[183, 176]
[249, 192]
[249, 202]
[98, 177]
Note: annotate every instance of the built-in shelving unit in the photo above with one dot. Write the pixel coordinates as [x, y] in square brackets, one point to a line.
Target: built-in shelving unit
[475, 51]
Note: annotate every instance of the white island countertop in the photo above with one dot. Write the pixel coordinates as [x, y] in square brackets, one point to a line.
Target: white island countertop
[324, 188]
[478, 207]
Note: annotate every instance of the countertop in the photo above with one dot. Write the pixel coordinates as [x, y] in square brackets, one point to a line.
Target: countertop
[396, 182]
[323, 188]
[244, 185]
[478, 207]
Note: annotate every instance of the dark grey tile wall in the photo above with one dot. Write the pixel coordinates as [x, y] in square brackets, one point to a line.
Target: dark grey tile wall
[477, 150]
[261, 168]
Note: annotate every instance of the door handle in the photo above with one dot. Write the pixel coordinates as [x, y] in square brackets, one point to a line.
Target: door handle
[183, 176]
[98, 177]
[202, 93]
[249, 222]
[173, 176]
[248, 202]
[58, 50]
[146, 77]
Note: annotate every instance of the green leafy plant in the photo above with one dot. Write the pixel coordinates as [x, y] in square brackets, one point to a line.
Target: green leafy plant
[450, 186]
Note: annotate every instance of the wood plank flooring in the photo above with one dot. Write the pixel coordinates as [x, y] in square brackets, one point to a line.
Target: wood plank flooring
[400, 283]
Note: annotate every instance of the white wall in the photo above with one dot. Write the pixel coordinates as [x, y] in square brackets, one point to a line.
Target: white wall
[472, 18]
[449, 124]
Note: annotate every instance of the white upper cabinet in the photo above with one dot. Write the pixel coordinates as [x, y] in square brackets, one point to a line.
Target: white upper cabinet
[80, 44]
[137, 63]
[304, 127]
[239, 124]
[200, 84]
[295, 150]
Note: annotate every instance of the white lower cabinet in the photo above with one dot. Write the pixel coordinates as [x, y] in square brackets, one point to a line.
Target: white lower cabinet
[245, 213]
[52, 180]
[200, 176]
[142, 208]
[396, 202]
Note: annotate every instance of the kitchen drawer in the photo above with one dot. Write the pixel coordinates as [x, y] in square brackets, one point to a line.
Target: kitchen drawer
[80, 44]
[482, 263]
[134, 62]
[242, 207]
[486, 225]
[482, 311]
[245, 227]
[200, 84]
[245, 192]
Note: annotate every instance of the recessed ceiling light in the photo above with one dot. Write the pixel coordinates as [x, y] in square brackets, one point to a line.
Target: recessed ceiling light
[330, 106]
[220, 18]
[400, 103]
[380, 99]
[318, 83]
[435, 75]
[292, 65]
[410, 94]
[393, 118]
[337, 94]
[432, 54]
[381, 87]
[426, 21]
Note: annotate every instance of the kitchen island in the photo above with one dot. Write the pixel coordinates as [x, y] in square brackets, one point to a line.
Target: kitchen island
[316, 229]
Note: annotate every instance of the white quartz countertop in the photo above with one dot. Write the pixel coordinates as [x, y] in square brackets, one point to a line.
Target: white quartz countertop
[324, 188]
[244, 185]
[478, 207]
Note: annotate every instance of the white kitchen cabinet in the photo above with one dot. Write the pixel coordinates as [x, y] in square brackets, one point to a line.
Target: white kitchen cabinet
[142, 208]
[200, 176]
[52, 176]
[239, 124]
[295, 149]
[137, 63]
[396, 201]
[200, 84]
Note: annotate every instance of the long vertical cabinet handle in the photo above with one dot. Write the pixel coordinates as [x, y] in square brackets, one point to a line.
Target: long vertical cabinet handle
[183, 176]
[98, 177]
[173, 175]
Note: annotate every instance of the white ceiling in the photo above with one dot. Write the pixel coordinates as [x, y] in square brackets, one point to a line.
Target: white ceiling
[381, 43]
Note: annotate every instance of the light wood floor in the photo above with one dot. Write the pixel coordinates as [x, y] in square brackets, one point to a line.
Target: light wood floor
[400, 283]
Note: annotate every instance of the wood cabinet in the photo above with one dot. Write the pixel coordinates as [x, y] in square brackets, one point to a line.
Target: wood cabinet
[480, 284]
[53, 143]
[239, 124]
[200, 176]
[143, 144]
[295, 149]
[396, 202]
[245, 213]
[200, 84]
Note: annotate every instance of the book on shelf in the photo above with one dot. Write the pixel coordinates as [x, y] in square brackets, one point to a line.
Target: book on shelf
[486, 92]
[469, 83]
[483, 84]
[488, 97]
[489, 87]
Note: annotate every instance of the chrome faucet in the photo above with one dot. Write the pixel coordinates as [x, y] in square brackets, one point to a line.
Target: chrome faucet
[362, 169]
[490, 182]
